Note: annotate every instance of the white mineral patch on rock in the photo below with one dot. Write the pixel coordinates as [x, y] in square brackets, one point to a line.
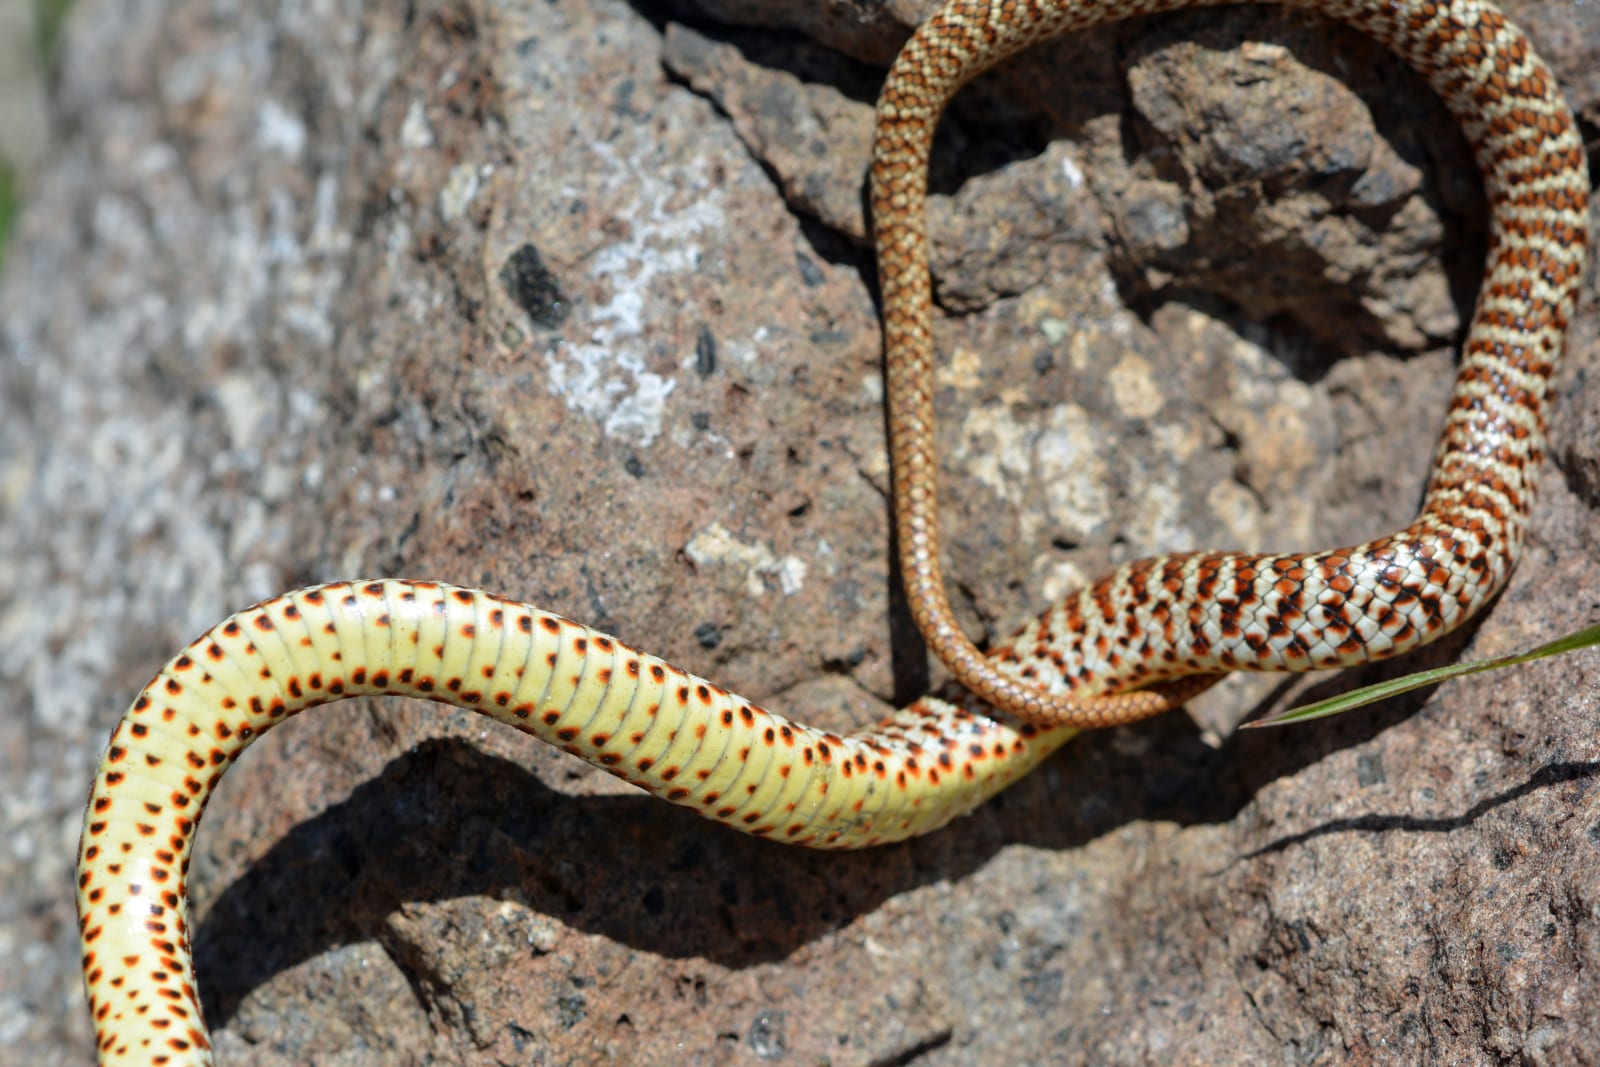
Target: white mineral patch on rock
[716, 546]
[1133, 386]
[1058, 455]
[607, 378]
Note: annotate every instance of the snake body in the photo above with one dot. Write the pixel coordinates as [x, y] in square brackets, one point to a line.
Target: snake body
[1164, 622]
[1192, 616]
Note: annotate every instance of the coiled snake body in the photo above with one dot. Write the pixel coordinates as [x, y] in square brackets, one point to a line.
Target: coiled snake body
[1170, 623]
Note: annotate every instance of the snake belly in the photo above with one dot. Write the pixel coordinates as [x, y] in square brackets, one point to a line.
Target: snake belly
[627, 712]
[692, 743]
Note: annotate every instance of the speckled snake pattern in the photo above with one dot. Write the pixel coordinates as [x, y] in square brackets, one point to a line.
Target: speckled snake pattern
[1155, 630]
[1170, 623]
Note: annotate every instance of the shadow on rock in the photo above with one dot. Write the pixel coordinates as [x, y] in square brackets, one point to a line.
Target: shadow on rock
[448, 821]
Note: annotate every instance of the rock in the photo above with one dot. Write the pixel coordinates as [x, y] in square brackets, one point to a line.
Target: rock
[572, 301]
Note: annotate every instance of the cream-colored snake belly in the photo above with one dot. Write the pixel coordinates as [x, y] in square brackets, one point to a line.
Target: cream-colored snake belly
[1171, 622]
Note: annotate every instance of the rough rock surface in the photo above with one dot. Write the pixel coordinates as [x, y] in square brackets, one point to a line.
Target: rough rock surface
[570, 299]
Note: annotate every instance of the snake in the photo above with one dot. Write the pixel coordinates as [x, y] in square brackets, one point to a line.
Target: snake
[1125, 647]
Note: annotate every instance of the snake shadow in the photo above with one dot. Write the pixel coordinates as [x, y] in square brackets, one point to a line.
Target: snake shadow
[449, 822]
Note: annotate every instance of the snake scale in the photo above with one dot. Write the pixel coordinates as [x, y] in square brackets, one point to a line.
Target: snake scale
[1170, 623]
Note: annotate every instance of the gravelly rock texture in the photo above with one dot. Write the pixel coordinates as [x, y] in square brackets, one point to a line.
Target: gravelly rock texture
[571, 300]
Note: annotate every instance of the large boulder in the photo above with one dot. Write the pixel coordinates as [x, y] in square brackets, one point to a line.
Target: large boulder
[572, 300]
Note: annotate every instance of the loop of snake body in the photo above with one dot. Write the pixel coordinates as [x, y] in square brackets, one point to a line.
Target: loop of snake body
[1172, 622]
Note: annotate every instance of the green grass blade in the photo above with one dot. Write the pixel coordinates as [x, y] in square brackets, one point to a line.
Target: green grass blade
[1371, 694]
[9, 196]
